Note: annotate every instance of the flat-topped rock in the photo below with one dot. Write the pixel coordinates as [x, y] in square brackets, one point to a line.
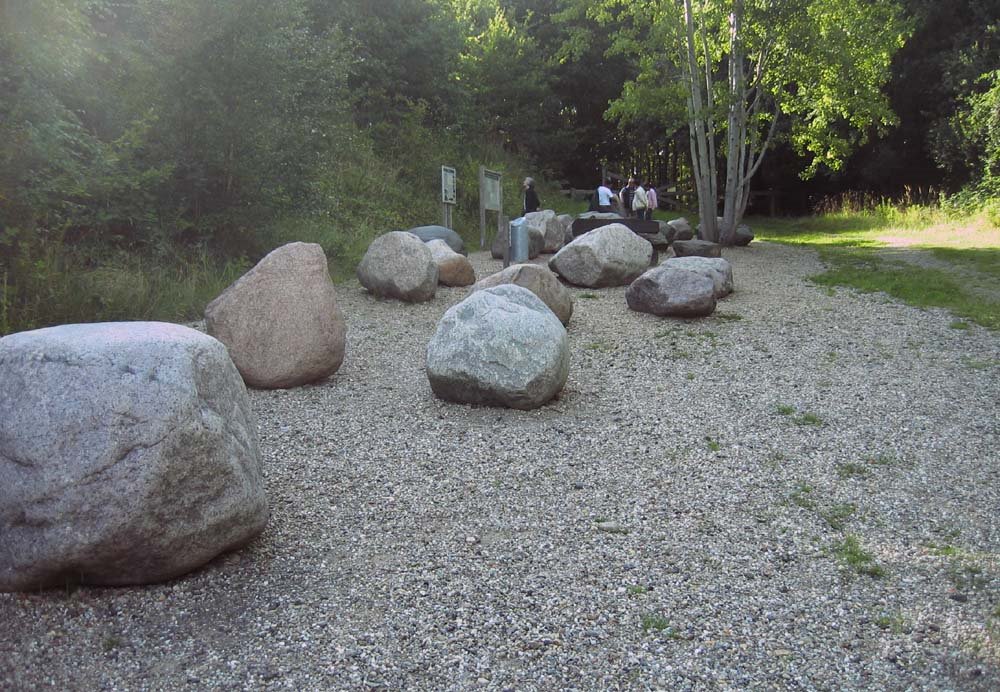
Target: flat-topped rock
[718, 270]
[671, 292]
[696, 248]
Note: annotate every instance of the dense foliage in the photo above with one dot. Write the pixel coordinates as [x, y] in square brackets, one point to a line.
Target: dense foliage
[155, 147]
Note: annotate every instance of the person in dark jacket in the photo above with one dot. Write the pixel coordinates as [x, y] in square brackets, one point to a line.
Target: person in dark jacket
[531, 201]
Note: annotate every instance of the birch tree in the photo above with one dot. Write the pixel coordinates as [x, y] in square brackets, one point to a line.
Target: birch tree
[811, 69]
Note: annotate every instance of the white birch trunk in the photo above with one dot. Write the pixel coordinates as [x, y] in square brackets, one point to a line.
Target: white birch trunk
[703, 164]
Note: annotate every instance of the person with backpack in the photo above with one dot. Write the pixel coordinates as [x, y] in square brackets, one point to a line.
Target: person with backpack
[625, 196]
[640, 203]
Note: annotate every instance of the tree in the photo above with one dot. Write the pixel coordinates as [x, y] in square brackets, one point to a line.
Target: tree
[746, 64]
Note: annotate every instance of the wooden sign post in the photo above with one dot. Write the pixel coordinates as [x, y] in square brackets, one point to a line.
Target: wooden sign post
[448, 195]
[490, 199]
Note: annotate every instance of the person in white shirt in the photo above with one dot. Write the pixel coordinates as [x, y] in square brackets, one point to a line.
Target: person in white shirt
[605, 198]
[640, 203]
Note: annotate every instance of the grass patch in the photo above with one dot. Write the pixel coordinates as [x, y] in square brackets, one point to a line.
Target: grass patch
[657, 623]
[893, 622]
[712, 444]
[728, 316]
[838, 515]
[637, 589]
[852, 469]
[850, 553]
[857, 247]
[589, 296]
[808, 419]
[785, 409]
[802, 496]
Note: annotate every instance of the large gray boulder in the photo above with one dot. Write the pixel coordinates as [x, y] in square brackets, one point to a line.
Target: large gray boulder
[611, 255]
[399, 265]
[429, 233]
[280, 320]
[549, 226]
[697, 248]
[501, 347]
[682, 229]
[668, 291]
[719, 270]
[453, 269]
[537, 279]
[128, 455]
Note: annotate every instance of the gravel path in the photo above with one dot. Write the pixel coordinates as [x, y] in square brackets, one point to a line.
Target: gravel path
[693, 512]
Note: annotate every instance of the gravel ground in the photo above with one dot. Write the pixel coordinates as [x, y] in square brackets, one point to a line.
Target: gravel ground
[694, 511]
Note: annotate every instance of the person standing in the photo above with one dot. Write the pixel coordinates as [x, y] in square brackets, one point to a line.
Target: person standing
[626, 197]
[653, 202]
[531, 201]
[640, 203]
[605, 198]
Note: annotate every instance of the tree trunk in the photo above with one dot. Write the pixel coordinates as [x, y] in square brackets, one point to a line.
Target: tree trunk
[703, 165]
[736, 130]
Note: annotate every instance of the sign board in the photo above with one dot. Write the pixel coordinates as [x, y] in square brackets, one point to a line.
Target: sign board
[491, 191]
[448, 188]
[490, 199]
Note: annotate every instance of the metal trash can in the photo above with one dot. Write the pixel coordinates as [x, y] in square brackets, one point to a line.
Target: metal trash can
[517, 242]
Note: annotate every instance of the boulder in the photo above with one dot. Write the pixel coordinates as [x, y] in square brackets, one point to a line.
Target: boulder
[682, 229]
[667, 231]
[453, 268]
[697, 248]
[536, 242]
[720, 271]
[128, 455]
[743, 235]
[399, 265]
[429, 233]
[280, 320]
[567, 225]
[537, 279]
[611, 255]
[550, 227]
[668, 291]
[501, 347]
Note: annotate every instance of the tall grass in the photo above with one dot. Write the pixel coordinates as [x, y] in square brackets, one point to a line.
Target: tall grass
[59, 284]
